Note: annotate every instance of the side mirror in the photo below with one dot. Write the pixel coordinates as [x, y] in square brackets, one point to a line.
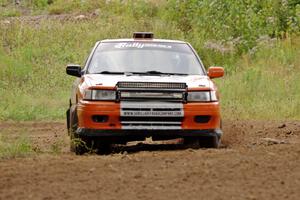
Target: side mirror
[215, 72]
[74, 70]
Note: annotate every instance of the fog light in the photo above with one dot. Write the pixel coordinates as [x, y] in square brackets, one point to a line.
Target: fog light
[100, 118]
[202, 118]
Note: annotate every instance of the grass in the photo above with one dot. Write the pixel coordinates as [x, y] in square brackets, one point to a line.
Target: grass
[266, 85]
[18, 148]
[56, 147]
[261, 61]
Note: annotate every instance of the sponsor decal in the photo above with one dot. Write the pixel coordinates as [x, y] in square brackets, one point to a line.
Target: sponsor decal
[139, 45]
[152, 113]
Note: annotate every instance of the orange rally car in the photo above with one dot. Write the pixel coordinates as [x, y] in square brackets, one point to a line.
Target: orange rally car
[131, 89]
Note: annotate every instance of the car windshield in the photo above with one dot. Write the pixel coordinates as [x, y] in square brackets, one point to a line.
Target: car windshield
[144, 57]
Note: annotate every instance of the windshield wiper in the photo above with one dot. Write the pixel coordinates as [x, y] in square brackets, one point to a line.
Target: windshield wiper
[159, 73]
[109, 72]
[153, 72]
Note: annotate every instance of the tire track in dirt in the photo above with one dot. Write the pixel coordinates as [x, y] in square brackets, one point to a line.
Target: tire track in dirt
[259, 160]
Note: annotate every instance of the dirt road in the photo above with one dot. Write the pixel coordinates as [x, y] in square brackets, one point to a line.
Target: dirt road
[259, 160]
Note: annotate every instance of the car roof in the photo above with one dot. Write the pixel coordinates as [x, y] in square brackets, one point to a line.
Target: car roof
[142, 40]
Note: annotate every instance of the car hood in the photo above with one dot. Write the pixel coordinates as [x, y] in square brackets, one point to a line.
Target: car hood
[192, 81]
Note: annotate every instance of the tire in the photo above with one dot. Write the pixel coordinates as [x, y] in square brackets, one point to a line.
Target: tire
[68, 120]
[80, 145]
[192, 143]
[203, 142]
[210, 142]
[103, 148]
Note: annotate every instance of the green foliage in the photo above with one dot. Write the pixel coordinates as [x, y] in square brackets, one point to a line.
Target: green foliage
[21, 146]
[242, 21]
[4, 2]
[247, 37]
[266, 85]
[71, 6]
[40, 3]
[10, 13]
[57, 146]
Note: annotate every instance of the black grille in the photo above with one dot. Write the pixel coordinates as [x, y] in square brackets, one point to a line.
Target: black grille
[153, 85]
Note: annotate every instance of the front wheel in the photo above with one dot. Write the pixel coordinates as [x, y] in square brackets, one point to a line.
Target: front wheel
[210, 142]
[80, 145]
[104, 147]
[203, 142]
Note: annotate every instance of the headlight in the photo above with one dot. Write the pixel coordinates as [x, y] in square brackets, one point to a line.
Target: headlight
[99, 95]
[204, 96]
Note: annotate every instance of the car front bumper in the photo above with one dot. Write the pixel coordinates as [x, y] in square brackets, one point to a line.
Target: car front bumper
[148, 133]
[87, 109]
